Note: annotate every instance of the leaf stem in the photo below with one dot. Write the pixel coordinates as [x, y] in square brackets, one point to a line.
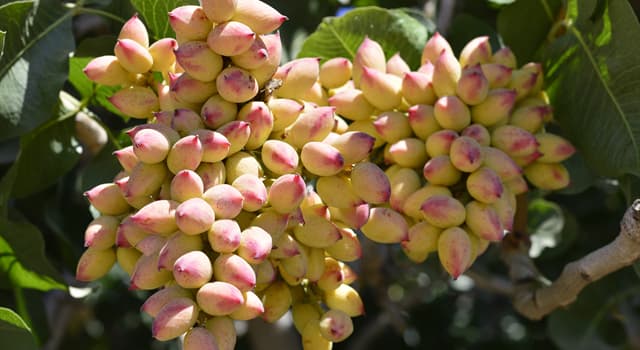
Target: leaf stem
[80, 10]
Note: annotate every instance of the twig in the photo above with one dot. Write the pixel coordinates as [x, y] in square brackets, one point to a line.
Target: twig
[490, 283]
[535, 299]
[445, 14]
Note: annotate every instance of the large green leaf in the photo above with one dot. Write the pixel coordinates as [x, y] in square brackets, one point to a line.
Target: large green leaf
[525, 24]
[14, 332]
[46, 154]
[465, 27]
[155, 15]
[22, 257]
[395, 30]
[593, 74]
[34, 66]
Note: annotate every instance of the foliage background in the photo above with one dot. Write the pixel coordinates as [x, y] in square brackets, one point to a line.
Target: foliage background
[593, 77]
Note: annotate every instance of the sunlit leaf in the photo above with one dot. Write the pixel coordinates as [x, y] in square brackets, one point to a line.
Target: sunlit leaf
[14, 332]
[34, 65]
[395, 30]
[155, 12]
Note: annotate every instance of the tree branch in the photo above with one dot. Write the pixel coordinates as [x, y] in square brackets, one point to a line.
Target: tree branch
[534, 298]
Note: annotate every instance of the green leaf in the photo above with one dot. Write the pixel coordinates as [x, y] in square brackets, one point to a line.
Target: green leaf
[465, 27]
[34, 66]
[77, 78]
[46, 154]
[395, 30]
[593, 77]
[524, 26]
[14, 332]
[155, 14]
[22, 257]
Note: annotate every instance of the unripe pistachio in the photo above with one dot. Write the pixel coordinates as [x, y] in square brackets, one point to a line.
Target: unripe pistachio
[370, 183]
[151, 244]
[237, 133]
[132, 56]
[524, 82]
[211, 174]
[452, 113]
[175, 318]
[483, 220]
[297, 76]
[191, 90]
[403, 183]
[129, 234]
[335, 72]
[321, 158]
[279, 157]
[256, 56]
[107, 198]
[94, 263]
[194, 216]
[265, 72]
[397, 66]
[224, 331]
[440, 171]
[127, 259]
[354, 217]
[554, 148]
[454, 250]
[159, 299]
[258, 15]
[272, 222]
[197, 59]
[234, 269]
[250, 309]
[135, 30]
[317, 232]
[186, 153]
[151, 146]
[466, 154]
[255, 245]
[498, 75]
[505, 57]
[367, 127]
[107, 70]
[215, 146]
[157, 217]
[260, 120]
[147, 276]
[351, 104]
[162, 53]
[478, 133]
[225, 200]
[136, 101]
[495, 108]
[434, 47]
[369, 55]
[409, 152]
[476, 51]
[219, 298]
[514, 141]
[443, 211]
[484, 185]
[312, 125]
[190, 23]
[336, 191]
[127, 158]
[392, 126]
[192, 269]
[277, 300]
[217, 111]
[335, 325]
[346, 299]
[547, 176]
[417, 88]
[224, 236]
[285, 111]
[473, 86]
[385, 225]
[422, 121]
[517, 185]
[422, 241]
[199, 338]
[446, 73]
[177, 245]
[412, 204]
[382, 90]
[236, 85]
[287, 192]
[242, 163]
[219, 11]
[230, 38]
